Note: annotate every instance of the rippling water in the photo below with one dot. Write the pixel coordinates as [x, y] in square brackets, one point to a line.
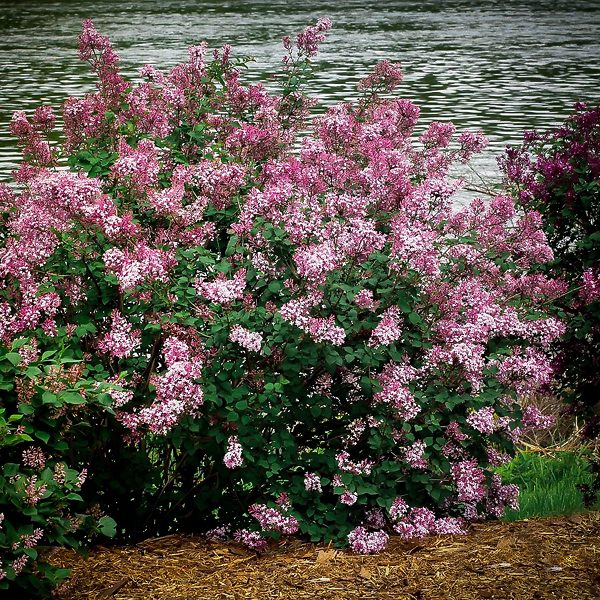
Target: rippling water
[503, 66]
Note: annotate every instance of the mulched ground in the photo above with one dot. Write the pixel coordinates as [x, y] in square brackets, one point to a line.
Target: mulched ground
[532, 559]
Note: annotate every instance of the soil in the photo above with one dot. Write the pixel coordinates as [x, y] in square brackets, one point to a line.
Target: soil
[532, 559]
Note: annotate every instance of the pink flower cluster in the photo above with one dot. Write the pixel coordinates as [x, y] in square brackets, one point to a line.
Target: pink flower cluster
[499, 497]
[312, 483]
[395, 393]
[176, 391]
[533, 418]
[469, 479]
[222, 290]
[122, 339]
[137, 167]
[414, 455]
[29, 540]
[483, 420]
[364, 299]
[250, 340]
[590, 286]
[347, 465]
[251, 539]
[142, 265]
[272, 519]
[308, 40]
[233, 457]
[34, 490]
[321, 329]
[363, 541]
[34, 457]
[412, 523]
[388, 329]
[386, 77]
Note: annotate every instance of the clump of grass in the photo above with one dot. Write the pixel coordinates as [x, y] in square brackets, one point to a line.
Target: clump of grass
[548, 482]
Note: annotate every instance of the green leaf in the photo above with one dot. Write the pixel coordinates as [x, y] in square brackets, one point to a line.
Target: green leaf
[108, 526]
[13, 357]
[72, 398]
[42, 435]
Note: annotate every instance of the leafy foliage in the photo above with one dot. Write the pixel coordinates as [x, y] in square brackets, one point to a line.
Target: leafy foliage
[41, 504]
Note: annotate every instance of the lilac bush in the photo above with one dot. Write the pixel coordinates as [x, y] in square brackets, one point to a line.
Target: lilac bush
[296, 328]
[557, 173]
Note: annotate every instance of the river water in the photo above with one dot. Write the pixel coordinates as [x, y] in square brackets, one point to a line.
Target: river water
[503, 66]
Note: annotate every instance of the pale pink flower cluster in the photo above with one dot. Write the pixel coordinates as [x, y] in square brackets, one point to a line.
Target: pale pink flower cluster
[469, 480]
[316, 261]
[220, 533]
[449, 526]
[398, 396]
[233, 457]
[82, 477]
[29, 540]
[527, 371]
[590, 286]
[34, 491]
[34, 457]
[418, 523]
[138, 167]
[29, 353]
[499, 497]
[471, 142]
[388, 329]
[454, 433]
[364, 299]
[483, 420]
[176, 391]
[385, 77]
[312, 483]
[496, 458]
[363, 541]
[533, 418]
[355, 430]
[414, 455]
[325, 330]
[250, 340]
[414, 247]
[222, 290]
[19, 563]
[121, 396]
[349, 498]
[398, 509]
[251, 539]
[347, 465]
[272, 519]
[122, 340]
[321, 329]
[308, 40]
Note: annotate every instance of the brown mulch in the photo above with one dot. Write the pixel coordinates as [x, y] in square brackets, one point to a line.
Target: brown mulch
[531, 559]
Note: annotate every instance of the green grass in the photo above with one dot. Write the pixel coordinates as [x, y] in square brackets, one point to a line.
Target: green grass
[548, 484]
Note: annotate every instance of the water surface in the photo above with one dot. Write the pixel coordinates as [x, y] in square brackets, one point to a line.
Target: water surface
[503, 66]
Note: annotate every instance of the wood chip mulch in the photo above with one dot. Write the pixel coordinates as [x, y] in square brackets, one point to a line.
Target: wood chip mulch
[531, 559]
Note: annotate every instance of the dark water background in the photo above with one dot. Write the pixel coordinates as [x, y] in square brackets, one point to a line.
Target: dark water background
[503, 66]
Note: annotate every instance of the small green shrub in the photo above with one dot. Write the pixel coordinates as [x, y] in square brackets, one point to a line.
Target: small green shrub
[47, 408]
[549, 484]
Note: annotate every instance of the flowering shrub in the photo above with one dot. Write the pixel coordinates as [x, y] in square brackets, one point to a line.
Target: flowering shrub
[296, 330]
[558, 174]
[40, 501]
